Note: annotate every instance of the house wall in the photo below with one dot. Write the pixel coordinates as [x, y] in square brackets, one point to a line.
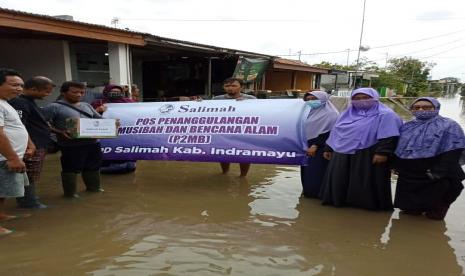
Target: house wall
[278, 80]
[284, 80]
[36, 57]
[303, 80]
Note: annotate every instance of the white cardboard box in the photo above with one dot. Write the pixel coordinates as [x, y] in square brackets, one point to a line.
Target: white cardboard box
[92, 128]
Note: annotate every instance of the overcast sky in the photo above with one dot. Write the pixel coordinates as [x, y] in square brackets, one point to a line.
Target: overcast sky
[430, 30]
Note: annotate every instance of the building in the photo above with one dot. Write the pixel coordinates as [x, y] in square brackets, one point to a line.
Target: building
[165, 69]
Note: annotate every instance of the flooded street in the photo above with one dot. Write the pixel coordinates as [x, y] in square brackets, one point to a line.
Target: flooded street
[181, 218]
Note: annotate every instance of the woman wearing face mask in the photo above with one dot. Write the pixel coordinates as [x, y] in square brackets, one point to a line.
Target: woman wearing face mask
[321, 118]
[114, 94]
[359, 147]
[428, 153]
[111, 94]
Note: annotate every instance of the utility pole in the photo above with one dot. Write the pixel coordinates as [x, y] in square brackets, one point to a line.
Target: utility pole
[360, 42]
[300, 53]
[348, 53]
[386, 63]
[115, 22]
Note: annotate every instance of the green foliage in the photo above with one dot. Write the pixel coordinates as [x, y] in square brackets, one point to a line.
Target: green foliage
[364, 64]
[402, 74]
[413, 72]
[328, 65]
[387, 79]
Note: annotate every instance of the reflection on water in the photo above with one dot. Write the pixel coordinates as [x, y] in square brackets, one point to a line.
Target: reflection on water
[181, 218]
[452, 107]
[462, 106]
[275, 203]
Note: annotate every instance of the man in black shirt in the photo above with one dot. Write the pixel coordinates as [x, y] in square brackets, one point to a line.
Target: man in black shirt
[39, 132]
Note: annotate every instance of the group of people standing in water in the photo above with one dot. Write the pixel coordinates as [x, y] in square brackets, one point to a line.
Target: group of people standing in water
[352, 155]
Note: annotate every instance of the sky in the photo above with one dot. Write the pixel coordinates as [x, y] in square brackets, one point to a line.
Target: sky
[326, 30]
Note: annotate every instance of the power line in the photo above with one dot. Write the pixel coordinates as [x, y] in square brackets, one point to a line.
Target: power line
[418, 40]
[378, 47]
[433, 55]
[321, 53]
[265, 19]
[221, 20]
[430, 56]
[423, 50]
[434, 47]
[445, 51]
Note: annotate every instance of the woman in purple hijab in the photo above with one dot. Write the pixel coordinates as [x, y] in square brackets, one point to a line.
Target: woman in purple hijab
[321, 118]
[428, 153]
[359, 148]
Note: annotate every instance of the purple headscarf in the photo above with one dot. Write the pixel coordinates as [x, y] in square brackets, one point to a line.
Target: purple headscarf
[428, 138]
[107, 99]
[108, 89]
[320, 120]
[360, 129]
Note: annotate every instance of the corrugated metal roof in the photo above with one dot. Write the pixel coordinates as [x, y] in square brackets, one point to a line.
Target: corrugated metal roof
[154, 39]
[283, 63]
[150, 38]
[49, 17]
[294, 62]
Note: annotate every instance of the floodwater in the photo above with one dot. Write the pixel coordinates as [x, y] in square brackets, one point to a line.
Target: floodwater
[181, 218]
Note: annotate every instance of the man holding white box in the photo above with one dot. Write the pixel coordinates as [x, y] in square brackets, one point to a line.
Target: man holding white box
[77, 155]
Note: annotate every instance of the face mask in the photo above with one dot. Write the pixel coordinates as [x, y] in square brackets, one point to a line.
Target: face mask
[425, 114]
[314, 104]
[115, 95]
[364, 104]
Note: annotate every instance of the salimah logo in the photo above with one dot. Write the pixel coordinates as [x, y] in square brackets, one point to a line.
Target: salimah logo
[166, 108]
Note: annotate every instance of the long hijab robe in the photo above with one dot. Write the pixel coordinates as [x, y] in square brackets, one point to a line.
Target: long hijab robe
[318, 123]
[428, 164]
[351, 178]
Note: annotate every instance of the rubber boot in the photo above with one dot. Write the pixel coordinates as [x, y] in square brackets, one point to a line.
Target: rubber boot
[69, 182]
[92, 181]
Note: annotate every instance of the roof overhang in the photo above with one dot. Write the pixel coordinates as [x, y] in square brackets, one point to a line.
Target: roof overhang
[299, 68]
[197, 47]
[48, 24]
[337, 72]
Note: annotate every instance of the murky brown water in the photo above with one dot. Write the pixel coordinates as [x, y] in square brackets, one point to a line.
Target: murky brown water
[180, 218]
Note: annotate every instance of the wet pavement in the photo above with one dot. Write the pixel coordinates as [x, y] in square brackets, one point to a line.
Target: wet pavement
[181, 218]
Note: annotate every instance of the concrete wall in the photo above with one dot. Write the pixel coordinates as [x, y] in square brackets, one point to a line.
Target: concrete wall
[36, 57]
[328, 82]
[137, 74]
[118, 56]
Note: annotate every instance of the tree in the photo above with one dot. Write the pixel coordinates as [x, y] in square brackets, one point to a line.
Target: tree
[328, 65]
[387, 79]
[412, 72]
[364, 64]
[401, 73]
